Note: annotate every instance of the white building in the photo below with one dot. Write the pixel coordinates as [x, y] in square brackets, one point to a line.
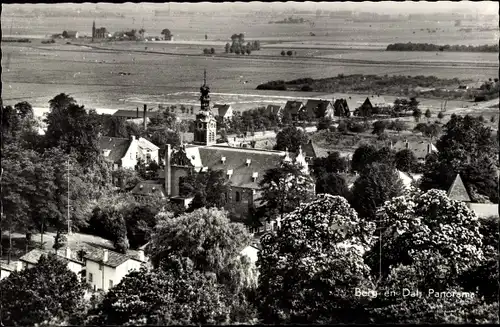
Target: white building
[6, 269]
[125, 153]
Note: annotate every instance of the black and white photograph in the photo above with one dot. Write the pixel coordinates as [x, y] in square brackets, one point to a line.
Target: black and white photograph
[249, 163]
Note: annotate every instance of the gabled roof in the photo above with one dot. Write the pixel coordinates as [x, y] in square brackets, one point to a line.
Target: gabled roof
[133, 113]
[458, 191]
[293, 107]
[149, 188]
[115, 259]
[261, 161]
[34, 255]
[222, 109]
[367, 102]
[312, 104]
[419, 148]
[273, 109]
[144, 143]
[117, 145]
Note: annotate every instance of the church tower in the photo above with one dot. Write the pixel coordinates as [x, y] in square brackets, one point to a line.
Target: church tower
[93, 31]
[205, 125]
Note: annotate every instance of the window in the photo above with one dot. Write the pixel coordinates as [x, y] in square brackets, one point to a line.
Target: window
[110, 283]
[91, 277]
[237, 197]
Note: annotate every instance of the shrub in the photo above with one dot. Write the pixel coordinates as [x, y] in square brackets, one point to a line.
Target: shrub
[379, 127]
[289, 52]
[306, 88]
[440, 115]
[283, 53]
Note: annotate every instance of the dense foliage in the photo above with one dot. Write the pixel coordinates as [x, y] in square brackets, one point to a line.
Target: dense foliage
[49, 293]
[317, 254]
[208, 189]
[291, 138]
[434, 47]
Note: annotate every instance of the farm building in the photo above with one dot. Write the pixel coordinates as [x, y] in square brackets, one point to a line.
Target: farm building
[341, 108]
[70, 34]
[366, 109]
[292, 110]
[419, 148]
[318, 108]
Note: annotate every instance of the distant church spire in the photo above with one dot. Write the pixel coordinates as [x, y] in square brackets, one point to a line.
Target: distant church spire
[205, 97]
[204, 77]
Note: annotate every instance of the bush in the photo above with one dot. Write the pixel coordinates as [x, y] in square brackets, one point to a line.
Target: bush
[212, 50]
[289, 52]
[283, 53]
[440, 115]
[306, 88]
[379, 127]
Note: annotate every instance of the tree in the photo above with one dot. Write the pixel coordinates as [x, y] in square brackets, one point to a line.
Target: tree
[140, 221]
[208, 189]
[47, 293]
[332, 183]
[114, 126]
[376, 184]
[227, 47]
[290, 138]
[283, 53]
[212, 50]
[428, 114]
[428, 243]
[289, 53]
[70, 127]
[163, 136]
[59, 241]
[125, 178]
[467, 148]
[249, 51]
[323, 123]
[208, 239]
[411, 105]
[284, 188]
[362, 157]
[167, 35]
[333, 163]
[405, 160]
[310, 266]
[440, 115]
[417, 113]
[379, 127]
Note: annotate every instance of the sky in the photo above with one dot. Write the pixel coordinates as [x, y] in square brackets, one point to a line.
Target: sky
[387, 7]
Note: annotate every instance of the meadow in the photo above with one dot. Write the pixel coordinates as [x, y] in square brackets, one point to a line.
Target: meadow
[172, 72]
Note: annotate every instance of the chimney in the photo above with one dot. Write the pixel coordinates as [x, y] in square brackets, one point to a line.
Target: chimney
[132, 137]
[144, 116]
[105, 255]
[168, 176]
[229, 173]
[68, 253]
[223, 159]
[137, 112]
[140, 254]
[429, 148]
[407, 145]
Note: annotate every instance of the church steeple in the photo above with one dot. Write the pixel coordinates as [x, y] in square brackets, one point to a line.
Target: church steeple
[93, 30]
[205, 97]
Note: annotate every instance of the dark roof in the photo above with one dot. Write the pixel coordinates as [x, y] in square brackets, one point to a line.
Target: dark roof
[222, 109]
[273, 109]
[293, 107]
[458, 191]
[367, 103]
[341, 105]
[133, 113]
[34, 255]
[114, 258]
[149, 187]
[117, 145]
[236, 158]
[312, 104]
[419, 148]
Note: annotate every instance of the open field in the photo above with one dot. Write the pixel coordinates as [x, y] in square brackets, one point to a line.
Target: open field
[36, 74]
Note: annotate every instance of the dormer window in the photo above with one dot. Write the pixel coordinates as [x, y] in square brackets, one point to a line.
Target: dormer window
[248, 162]
[204, 169]
[254, 176]
[141, 186]
[106, 152]
[229, 173]
[223, 159]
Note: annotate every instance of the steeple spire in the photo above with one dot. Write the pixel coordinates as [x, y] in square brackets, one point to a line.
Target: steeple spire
[204, 77]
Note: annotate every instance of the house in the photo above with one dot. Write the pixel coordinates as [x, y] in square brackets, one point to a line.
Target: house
[458, 192]
[274, 109]
[30, 259]
[7, 268]
[70, 34]
[125, 153]
[366, 109]
[244, 168]
[105, 268]
[318, 108]
[419, 148]
[224, 110]
[149, 188]
[292, 109]
[341, 108]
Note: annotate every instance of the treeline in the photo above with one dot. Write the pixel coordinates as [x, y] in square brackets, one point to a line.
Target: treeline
[17, 40]
[290, 20]
[434, 47]
[238, 45]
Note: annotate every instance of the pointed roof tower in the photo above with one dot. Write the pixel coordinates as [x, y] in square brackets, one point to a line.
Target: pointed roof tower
[458, 191]
[300, 160]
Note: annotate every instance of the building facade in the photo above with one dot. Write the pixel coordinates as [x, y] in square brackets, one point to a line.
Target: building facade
[125, 153]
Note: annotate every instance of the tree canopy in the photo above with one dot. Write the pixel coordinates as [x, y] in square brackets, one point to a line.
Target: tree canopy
[291, 138]
[317, 254]
[47, 293]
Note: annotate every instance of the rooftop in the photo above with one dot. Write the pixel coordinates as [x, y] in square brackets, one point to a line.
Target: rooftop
[118, 147]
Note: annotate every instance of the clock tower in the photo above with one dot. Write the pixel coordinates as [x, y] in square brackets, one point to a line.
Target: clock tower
[205, 124]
